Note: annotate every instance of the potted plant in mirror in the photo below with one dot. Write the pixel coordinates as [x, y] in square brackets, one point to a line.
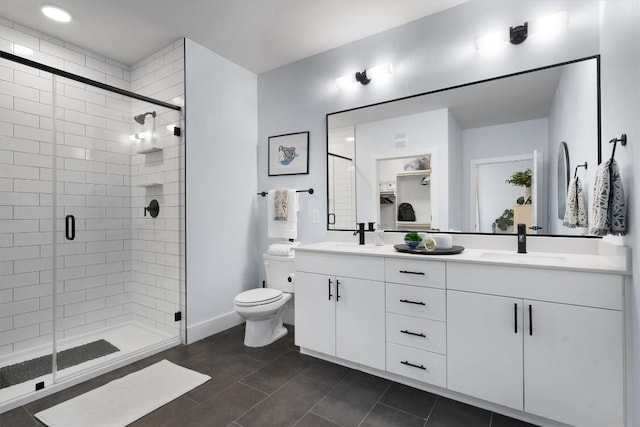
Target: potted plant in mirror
[503, 222]
[412, 239]
[522, 179]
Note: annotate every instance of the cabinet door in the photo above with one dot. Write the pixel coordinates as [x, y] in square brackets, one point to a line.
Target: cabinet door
[315, 299]
[573, 365]
[484, 348]
[360, 325]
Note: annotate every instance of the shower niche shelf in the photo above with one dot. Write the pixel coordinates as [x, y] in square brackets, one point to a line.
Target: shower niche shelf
[150, 184]
[147, 150]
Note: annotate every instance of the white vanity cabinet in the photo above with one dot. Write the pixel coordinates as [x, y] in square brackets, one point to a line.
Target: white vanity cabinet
[340, 304]
[548, 342]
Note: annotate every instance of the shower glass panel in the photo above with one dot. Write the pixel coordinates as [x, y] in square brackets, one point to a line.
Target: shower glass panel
[118, 285]
[80, 169]
[26, 236]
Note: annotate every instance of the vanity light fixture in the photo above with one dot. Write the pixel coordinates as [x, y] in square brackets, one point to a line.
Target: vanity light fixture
[365, 76]
[519, 33]
[55, 13]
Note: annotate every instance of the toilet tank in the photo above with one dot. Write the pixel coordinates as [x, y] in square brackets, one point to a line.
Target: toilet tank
[279, 271]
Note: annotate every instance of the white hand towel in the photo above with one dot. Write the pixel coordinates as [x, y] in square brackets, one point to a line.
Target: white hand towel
[575, 214]
[281, 204]
[283, 229]
[608, 209]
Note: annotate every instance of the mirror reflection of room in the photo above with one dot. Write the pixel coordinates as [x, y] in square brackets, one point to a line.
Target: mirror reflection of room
[477, 136]
[404, 192]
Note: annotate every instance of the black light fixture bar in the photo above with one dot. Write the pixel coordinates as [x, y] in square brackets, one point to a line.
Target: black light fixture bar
[77, 78]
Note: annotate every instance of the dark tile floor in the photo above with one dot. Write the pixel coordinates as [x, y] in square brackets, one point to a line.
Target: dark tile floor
[277, 386]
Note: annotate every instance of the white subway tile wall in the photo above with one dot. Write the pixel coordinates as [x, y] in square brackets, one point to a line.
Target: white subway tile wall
[342, 178]
[121, 266]
[158, 243]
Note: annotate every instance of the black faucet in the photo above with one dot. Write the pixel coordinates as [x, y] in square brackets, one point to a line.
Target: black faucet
[360, 230]
[522, 238]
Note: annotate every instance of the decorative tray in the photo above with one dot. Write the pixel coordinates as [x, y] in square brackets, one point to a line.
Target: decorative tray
[420, 250]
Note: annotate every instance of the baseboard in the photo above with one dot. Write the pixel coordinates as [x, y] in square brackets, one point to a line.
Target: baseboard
[212, 326]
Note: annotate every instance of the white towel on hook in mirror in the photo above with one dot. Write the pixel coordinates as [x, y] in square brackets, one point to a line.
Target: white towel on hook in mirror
[575, 214]
[283, 229]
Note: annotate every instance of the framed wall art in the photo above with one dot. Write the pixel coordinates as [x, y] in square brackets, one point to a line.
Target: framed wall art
[289, 154]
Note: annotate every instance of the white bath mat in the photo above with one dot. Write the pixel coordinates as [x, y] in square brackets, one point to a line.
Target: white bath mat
[124, 400]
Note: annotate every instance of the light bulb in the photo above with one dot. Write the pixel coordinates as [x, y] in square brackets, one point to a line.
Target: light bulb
[492, 40]
[56, 13]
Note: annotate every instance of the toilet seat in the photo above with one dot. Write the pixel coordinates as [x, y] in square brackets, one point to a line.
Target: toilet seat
[259, 296]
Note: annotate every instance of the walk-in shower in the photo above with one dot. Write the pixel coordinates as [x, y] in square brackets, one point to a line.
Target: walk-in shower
[87, 280]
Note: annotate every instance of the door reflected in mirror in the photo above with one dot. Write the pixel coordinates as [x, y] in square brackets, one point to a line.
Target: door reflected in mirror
[466, 131]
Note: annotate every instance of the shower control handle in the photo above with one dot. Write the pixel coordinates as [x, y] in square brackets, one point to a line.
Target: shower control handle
[153, 209]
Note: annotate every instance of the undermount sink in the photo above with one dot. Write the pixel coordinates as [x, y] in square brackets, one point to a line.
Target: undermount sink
[523, 258]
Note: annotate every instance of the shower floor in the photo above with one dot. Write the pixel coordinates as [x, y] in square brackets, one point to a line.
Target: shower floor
[129, 338]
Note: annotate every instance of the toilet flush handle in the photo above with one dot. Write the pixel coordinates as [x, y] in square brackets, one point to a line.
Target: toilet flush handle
[291, 277]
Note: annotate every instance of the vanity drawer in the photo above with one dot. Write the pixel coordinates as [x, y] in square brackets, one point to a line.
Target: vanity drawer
[599, 290]
[361, 267]
[419, 333]
[417, 364]
[416, 301]
[415, 272]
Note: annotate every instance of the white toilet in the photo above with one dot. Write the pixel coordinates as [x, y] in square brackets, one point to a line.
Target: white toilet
[264, 308]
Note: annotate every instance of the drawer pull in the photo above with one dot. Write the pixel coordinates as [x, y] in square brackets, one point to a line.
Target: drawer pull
[417, 334]
[420, 273]
[406, 362]
[515, 316]
[412, 302]
[530, 320]
[330, 283]
[337, 290]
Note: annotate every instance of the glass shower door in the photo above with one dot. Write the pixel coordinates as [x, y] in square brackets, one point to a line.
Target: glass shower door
[26, 230]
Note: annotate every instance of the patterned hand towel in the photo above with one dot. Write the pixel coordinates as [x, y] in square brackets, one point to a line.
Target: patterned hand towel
[576, 214]
[608, 208]
[281, 204]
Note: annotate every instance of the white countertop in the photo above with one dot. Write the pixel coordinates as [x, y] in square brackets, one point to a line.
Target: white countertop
[547, 260]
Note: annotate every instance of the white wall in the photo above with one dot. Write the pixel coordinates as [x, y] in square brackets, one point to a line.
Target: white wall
[572, 121]
[455, 146]
[620, 80]
[497, 141]
[222, 233]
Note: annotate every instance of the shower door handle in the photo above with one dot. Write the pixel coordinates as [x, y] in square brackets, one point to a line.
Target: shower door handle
[70, 227]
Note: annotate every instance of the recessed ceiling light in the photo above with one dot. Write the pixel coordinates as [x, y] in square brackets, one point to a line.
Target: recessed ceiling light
[55, 13]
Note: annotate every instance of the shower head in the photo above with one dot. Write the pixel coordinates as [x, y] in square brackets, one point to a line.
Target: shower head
[140, 117]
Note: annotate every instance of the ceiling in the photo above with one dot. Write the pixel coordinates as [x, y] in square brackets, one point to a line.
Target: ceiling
[259, 35]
